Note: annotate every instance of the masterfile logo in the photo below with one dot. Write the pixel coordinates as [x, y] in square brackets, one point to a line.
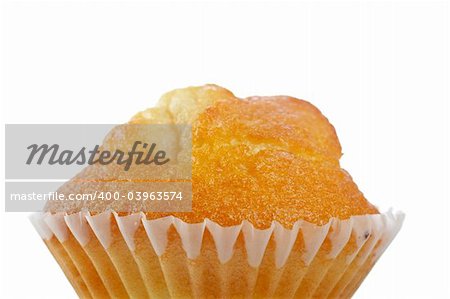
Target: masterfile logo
[131, 162]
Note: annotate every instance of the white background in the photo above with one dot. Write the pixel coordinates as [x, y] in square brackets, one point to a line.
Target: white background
[378, 70]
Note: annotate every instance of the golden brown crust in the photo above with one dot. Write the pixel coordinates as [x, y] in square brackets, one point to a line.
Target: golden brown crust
[260, 159]
[269, 158]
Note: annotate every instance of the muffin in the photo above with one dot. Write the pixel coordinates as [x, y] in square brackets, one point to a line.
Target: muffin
[273, 214]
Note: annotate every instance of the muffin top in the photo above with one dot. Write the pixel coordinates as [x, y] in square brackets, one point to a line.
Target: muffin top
[259, 159]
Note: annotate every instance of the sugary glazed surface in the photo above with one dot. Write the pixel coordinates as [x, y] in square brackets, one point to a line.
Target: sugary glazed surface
[258, 159]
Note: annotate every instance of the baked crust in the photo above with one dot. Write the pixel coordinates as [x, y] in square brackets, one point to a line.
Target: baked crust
[259, 159]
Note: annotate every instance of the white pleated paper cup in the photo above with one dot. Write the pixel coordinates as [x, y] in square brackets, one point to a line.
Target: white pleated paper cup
[107, 255]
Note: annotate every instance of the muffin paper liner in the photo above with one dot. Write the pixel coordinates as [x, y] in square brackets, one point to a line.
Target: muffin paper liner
[107, 255]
